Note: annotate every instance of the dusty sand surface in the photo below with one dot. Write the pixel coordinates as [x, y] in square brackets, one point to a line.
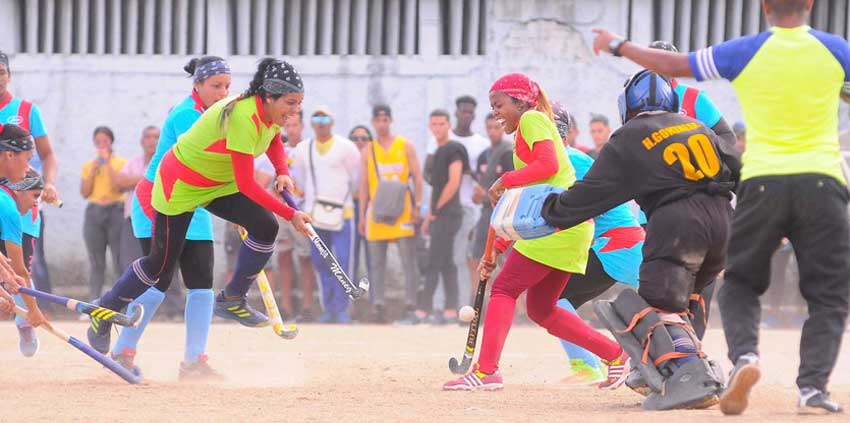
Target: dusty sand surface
[353, 373]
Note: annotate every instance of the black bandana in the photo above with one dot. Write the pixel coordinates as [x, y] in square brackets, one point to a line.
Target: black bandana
[281, 78]
[4, 60]
[32, 182]
[18, 144]
[562, 119]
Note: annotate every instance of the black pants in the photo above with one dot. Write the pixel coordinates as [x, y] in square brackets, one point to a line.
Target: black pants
[102, 227]
[170, 246]
[811, 211]
[40, 274]
[441, 262]
[583, 288]
[684, 251]
[197, 261]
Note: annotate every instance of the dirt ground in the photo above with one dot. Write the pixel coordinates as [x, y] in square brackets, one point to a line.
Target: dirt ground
[351, 373]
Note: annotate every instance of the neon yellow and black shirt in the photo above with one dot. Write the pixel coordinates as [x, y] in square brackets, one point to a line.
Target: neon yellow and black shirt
[199, 167]
[788, 82]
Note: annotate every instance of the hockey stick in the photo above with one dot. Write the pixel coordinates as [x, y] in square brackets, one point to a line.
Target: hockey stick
[354, 291]
[475, 323]
[90, 309]
[86, 349]
[284, 331]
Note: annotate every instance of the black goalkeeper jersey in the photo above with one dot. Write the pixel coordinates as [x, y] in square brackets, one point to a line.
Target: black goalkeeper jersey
[654, 159]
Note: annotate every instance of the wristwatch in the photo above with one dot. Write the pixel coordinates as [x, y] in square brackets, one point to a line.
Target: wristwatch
[615, 45]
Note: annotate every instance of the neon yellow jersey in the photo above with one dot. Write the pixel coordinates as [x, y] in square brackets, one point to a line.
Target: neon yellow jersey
[199, 169]
[565, 250]
[788, 82]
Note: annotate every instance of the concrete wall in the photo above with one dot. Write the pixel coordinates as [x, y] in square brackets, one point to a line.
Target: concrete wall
[548, 39]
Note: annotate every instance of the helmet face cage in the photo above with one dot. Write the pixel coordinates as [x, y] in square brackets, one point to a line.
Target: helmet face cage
[650, 103]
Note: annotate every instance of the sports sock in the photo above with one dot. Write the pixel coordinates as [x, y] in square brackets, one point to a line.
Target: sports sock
[130, 285]
[199, 310]
[497, 324]
[682, 342]
[20, 321]
[569, 326]
[129, 337]
[574, 351]
[251, 259]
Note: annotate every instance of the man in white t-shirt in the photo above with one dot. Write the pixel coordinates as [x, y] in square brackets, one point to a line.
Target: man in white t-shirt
[326, 169]
[291, 246]
[475, 144]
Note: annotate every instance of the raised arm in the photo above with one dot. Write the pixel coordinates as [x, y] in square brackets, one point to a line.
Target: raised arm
[659, 61]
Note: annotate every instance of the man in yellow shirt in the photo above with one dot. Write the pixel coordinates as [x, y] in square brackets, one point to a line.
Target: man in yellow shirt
[105, 210]
[788, 80]
[390, 158]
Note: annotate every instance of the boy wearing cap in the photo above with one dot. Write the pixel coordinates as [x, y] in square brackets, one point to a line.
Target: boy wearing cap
[325, 168]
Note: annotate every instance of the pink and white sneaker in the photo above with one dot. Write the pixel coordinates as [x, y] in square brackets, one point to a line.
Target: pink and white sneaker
[618, 370]
[474, 380]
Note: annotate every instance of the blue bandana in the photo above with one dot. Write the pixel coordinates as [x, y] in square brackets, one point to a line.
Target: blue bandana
[211, 69]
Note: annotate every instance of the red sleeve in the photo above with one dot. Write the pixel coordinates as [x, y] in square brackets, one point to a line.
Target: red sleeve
[544, 164]
[243, 170]
[277, 155]
[501, 245]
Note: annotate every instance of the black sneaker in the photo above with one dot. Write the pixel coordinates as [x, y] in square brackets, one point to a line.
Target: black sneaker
[379, 316]
[306, 316]
[239, 310]
[744, 376]
[99, 333]
[410, 319]
[815, 401]
[199, 371]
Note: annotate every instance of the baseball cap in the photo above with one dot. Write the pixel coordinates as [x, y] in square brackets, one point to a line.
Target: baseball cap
[324, 110]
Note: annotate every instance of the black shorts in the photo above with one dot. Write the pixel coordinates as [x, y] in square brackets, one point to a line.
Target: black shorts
[685, 249]
[28, 247]
[583, 288]
[479, 234]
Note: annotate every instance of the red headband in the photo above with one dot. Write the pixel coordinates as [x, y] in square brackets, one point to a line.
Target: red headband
[518, 86]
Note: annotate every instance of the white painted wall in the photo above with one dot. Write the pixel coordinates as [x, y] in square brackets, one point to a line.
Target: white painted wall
[548, 39]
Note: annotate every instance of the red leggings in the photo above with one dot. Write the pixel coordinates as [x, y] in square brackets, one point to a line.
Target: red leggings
[544, 285]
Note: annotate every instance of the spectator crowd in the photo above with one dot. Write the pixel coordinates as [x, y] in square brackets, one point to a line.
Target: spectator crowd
[366, 189]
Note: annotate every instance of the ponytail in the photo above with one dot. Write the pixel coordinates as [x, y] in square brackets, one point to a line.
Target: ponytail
[256, 85]
[191, 66]
[544, 106]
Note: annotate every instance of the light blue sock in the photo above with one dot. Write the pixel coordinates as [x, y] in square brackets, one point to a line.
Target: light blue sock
[574, 351]
[682, 342]
[129, 338]
[20, 321]
[199, 310]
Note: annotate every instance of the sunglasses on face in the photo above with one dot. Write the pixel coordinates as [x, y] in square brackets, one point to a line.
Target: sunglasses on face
[321, 120]
[362, 138]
